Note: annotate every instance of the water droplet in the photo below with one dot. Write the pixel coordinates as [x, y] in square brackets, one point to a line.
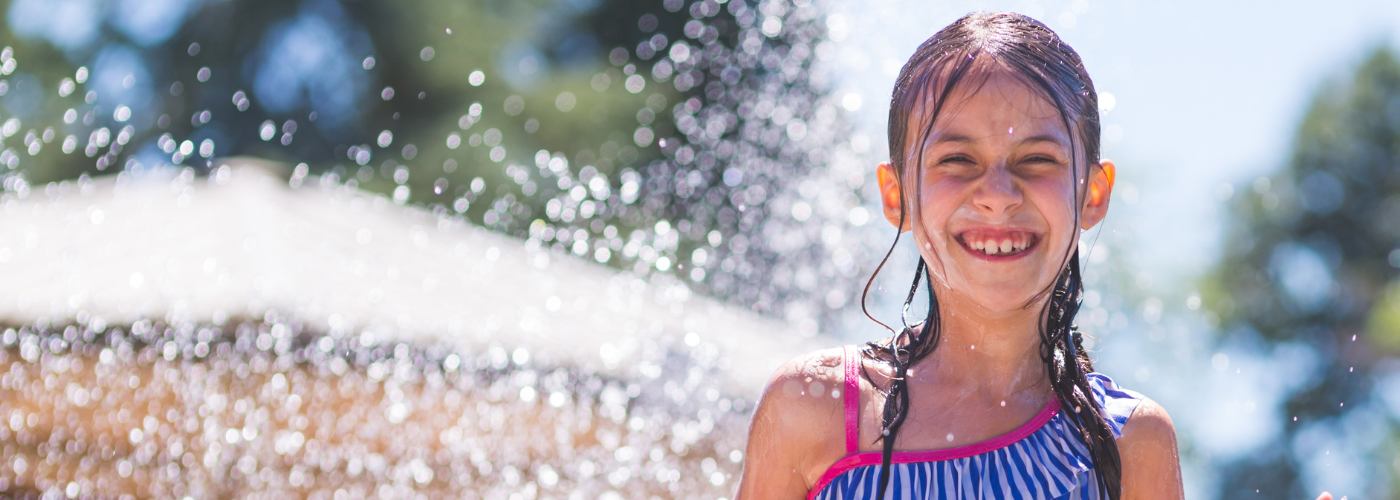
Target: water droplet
[368, 63]
[385, 139]
[476, 78]
[950, 437]
[1107, 102]
[772, 26]
[387, 93]
[643, 136]
[203, 74]
[1220, 361]
[565, 101]
[635, 84]
[426, 54]
[514, 105]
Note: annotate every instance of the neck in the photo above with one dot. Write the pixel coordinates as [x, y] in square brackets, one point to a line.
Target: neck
[987, 354]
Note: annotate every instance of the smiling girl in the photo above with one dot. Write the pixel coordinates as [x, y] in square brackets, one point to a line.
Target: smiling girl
[995, 171]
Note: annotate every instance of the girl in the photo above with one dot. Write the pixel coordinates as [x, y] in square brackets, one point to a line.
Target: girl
[995, 170]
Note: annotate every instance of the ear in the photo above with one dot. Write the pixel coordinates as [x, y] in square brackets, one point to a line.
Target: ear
[1100, 179]
[890, 195]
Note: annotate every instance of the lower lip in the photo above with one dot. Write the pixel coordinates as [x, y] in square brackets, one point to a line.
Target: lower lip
[999, 258]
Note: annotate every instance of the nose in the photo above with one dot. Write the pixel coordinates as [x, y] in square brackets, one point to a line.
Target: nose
[997, 193]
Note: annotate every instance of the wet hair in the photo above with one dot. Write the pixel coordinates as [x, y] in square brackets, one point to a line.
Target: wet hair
[968, 52]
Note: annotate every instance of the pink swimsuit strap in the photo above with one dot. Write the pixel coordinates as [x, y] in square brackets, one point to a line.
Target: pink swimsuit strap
[852, 400]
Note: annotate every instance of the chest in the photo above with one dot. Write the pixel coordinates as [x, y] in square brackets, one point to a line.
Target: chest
[941, 419]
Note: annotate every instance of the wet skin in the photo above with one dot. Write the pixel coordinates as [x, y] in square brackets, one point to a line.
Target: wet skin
[995, 194]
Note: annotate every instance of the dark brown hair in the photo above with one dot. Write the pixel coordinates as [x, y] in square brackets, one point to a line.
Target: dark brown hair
[968, 52]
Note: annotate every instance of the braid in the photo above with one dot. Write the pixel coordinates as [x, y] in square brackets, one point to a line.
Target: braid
[1062, 350]
[923, 339]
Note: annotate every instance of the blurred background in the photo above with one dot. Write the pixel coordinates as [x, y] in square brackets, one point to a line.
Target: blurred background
[1248, 277]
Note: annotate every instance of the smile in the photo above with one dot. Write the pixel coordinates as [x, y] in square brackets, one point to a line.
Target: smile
[998, 243]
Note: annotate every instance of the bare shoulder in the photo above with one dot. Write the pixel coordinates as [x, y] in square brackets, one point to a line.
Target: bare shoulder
[1151, 466]
[807, 388]
[825, 366]
[797, 428]
[1150, 422]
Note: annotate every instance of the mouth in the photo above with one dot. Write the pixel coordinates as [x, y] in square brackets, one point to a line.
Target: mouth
[998, 245]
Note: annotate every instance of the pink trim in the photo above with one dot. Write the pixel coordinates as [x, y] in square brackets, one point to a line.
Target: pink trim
[852, 399]
[852, 461]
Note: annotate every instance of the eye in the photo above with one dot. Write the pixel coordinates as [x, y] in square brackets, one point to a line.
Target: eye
[1042, 162]
[956, 159]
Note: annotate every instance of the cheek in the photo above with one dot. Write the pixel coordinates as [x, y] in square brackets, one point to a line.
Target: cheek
[1060, 211]
[939, 198]
[934, 215]
[931, 235]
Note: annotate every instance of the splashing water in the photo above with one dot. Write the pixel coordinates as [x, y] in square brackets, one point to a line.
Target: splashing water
[168, 410]
[534, 392]
[734, 147]
[152, 360]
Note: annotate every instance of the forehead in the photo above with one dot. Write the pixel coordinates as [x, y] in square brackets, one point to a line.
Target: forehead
[985, 103]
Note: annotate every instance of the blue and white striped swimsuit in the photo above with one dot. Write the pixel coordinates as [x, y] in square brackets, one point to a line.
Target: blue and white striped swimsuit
[1043, 459]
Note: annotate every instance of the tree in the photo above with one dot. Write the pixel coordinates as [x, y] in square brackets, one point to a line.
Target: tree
[1312, 258]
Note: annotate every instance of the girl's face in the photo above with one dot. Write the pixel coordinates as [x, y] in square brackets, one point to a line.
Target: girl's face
[996, 211]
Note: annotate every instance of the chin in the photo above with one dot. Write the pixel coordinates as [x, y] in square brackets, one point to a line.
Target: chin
[998, 299]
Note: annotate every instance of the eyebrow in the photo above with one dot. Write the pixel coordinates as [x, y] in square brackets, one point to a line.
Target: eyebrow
[960, 139]
[1042, 138]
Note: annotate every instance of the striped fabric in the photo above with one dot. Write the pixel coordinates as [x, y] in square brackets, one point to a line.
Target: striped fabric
[1043, 459]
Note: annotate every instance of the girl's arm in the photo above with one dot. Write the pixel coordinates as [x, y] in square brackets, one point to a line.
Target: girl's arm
[794, 429]
[1151, 467]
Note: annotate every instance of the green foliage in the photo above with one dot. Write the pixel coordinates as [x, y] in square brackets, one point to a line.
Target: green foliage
[430, 96]
[1312, 258]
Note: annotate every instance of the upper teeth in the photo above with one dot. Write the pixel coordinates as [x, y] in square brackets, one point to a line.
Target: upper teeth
[999, 245]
